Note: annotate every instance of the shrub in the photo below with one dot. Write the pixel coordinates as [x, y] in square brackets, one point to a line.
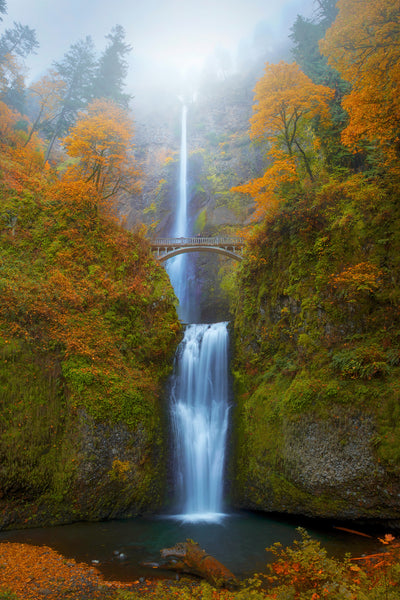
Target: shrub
[361, 363]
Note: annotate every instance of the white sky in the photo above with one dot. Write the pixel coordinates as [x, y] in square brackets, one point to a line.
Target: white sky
[164, 34]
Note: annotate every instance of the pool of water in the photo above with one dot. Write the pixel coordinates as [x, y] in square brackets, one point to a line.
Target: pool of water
[237, 540]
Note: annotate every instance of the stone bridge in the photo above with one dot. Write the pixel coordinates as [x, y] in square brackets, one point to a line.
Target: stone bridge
[165, 248]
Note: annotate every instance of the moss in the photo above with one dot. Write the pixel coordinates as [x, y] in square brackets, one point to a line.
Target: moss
[316, 332]
[88, 328]
[290, 497]
[201, 221]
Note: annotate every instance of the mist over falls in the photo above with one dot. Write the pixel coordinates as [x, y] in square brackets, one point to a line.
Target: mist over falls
[219, 156]
[88, 320]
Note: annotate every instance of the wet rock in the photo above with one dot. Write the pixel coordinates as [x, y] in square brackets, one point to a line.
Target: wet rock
[189, 557]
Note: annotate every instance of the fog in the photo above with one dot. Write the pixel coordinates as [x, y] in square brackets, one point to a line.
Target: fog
[171, 40]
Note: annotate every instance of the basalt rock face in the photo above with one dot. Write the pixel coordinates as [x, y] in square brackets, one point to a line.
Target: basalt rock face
[119, 471]
[81, 376]
[317, 367]
[108, 471]
[219, 157]
[322, 468]
[157, 139]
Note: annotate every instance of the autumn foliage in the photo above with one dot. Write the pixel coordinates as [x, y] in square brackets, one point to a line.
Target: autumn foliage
[102, 142]
[303, 571]
[363, 44]
[356, 280]
[87, 318]
[286, 102]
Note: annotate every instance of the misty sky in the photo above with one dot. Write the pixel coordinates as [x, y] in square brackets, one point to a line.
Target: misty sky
[164, 34]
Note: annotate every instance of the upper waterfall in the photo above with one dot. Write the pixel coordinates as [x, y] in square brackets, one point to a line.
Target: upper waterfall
[181, 225]
[177, 268]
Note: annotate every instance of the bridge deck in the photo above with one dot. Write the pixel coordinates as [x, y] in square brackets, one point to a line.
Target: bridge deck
[167, 247]
[198, 241]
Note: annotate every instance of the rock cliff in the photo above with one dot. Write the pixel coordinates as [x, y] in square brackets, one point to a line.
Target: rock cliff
[317, 357]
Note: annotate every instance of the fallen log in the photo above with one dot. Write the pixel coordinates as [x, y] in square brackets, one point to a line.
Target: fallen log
[189, 557]
[353, 531]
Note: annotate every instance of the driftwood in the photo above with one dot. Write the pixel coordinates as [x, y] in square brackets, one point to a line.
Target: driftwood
[188, 557]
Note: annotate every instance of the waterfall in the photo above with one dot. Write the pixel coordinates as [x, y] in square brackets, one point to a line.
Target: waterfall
[200, 419]
[199, 391]
[177, 268]
[181, 217]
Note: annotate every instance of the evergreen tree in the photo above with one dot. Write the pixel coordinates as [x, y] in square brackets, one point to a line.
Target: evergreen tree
[20, 40]
[113, 68]
[3, 8]
[306, 35]
[14, 93]
[15, 43]
[77, 69]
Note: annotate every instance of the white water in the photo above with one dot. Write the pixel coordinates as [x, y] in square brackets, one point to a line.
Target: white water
[177, 268]
[181, 217]
[199, 404]
[200, 420]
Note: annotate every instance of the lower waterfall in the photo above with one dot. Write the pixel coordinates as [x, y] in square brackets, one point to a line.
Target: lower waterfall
[199, 412]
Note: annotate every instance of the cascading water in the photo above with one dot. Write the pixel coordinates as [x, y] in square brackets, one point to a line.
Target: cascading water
[200, 419]
[181, 217]
[177, 267]
[199, 403]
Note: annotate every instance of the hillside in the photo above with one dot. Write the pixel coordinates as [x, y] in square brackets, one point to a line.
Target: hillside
[317, 356]
[87, 328]
[316, 302]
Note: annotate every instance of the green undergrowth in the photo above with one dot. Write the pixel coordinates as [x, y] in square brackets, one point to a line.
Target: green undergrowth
[316, 324]
[302, 571]
[88, 328]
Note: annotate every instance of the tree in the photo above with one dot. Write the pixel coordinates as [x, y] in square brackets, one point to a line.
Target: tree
[101, 141]
[3, 8]
[15, 43]
[48, 92]
[21, 165]
[12, 84]
[266, 191]
[21, 40]
[363, 44]
[77, 70]
[8, 119]
[286, 101]
[113, 68]
[14, 94]
[306, 34]
[326, 12]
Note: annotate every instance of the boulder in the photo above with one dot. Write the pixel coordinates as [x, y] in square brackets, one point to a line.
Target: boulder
[189, 557]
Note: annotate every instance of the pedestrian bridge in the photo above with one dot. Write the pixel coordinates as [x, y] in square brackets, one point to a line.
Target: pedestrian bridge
[165, 248]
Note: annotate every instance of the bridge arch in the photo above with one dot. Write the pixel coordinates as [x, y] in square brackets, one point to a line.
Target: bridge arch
[165, 248]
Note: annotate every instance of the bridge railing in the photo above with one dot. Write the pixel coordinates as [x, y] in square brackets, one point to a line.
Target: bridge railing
[198, 241]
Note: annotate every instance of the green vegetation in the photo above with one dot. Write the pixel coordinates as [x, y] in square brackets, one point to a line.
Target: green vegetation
[316, 324]
[303, 571]
[316, 317]
[88, 328]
